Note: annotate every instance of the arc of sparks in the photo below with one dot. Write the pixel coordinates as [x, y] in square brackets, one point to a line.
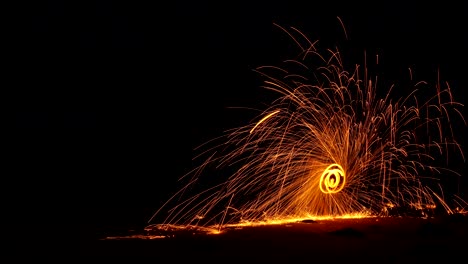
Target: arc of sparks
[263, 119]
[333, 120]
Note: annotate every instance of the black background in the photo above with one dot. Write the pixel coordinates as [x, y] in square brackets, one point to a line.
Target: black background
[117, 95]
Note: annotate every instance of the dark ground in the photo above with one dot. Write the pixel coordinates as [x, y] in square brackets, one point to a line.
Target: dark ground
[370, 240]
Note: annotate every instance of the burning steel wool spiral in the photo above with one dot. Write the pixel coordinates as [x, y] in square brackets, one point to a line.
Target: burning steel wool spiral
[326, 147]
[333, 179]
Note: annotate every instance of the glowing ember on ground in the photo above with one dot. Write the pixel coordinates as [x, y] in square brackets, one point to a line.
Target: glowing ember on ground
[327, 147]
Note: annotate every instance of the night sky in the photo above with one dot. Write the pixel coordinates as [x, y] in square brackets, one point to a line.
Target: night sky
[129, 89]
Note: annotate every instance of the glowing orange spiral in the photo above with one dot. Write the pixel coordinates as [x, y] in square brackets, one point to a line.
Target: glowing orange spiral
[333, 179]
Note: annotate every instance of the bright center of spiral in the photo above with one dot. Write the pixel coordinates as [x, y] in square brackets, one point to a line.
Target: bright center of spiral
[333, 179]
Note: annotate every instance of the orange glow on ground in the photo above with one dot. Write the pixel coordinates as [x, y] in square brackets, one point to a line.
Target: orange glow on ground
[171, 229]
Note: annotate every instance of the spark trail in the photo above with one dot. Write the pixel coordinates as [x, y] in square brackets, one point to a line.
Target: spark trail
[327, 146]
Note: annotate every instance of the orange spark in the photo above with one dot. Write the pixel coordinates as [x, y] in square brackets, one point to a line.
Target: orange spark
[263, 119]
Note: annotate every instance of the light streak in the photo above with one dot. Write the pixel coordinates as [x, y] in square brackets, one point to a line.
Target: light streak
[263, 119]
[333, 179]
